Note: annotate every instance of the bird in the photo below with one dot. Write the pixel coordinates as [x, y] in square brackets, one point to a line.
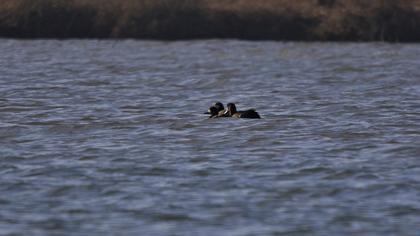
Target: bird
[213, 112]
[219, 110]
[249, 114]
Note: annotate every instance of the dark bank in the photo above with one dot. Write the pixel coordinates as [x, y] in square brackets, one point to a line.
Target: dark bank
[306, 20]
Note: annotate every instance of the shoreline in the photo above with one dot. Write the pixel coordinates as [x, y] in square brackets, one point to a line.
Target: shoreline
[207, 39]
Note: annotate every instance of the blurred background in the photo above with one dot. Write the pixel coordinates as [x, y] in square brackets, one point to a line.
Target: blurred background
[319, 20]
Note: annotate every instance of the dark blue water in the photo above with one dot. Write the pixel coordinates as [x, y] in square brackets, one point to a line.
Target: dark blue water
[108, 138]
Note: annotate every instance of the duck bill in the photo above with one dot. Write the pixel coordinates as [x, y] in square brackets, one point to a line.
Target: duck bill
[207, 113]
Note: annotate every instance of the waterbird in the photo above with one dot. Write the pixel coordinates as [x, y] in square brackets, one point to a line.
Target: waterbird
[249, 114]
[220, 110]
[213, 112]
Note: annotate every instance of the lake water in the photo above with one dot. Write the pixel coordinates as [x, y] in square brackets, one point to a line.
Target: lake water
[108, 138]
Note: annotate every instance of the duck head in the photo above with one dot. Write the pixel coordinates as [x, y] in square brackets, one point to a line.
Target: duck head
[219, 106]
[212, 111]
[231, 109]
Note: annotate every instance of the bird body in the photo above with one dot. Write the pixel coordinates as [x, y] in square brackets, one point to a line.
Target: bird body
[249, 114]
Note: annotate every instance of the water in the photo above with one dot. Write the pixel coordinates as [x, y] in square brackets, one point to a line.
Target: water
[108, 138]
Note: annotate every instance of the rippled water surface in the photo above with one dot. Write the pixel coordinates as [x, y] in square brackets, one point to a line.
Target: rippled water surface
[108, 138]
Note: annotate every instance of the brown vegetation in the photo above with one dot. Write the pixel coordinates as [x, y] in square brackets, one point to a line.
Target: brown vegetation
[337, 20]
